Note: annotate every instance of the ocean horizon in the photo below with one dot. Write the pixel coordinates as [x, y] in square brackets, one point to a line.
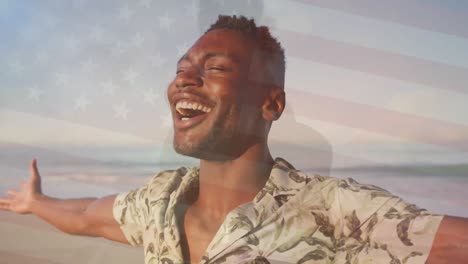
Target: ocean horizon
[99, 171]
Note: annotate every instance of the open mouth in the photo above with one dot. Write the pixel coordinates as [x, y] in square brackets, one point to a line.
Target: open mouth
[187, 110]
[189, 113]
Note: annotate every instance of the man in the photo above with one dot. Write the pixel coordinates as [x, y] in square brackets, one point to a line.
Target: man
[241, 205]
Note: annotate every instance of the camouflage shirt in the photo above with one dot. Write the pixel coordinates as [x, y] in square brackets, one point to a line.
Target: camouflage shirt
[295, 218]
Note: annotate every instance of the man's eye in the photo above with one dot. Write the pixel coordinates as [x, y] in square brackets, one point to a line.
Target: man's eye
[216, 68]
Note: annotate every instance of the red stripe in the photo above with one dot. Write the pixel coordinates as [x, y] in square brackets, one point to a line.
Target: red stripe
[378, 120]
[424, 15]
[374, 61]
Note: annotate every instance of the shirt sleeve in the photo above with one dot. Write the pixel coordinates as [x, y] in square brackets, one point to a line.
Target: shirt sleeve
[378, 227]
[131, 211]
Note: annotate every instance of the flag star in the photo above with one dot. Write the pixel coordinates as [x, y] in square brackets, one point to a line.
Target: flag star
[182, 49]
[81, 103]
[118, 49]
[29, 33]
[166, 120]
[167, 77]
[88, 66]
[42, 57]
[62, 78]
[192, 9]
[130, 75]
[35, 93]
[16, 67]
[121, 110]
[71, 43]
[126, 13]
[157, 60]
[267, 20]
[166, 21]
[137, 40]
[50, 21]
[109, 87]
[146, 3]
[96, 33]
[150, 96]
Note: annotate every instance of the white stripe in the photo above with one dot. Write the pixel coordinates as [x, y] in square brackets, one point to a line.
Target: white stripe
[36, 130]
[368, 32]
[387, 93]
[369, 146]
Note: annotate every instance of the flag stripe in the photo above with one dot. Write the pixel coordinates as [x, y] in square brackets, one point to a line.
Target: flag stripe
[382, 121]
[373, 61]
[428, 15]
[369, 33]
[379, 91]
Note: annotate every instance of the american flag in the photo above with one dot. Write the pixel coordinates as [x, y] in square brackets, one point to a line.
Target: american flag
[381, 83]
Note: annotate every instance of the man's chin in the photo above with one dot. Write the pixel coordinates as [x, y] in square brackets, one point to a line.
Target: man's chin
[201, 153]
[187, 149]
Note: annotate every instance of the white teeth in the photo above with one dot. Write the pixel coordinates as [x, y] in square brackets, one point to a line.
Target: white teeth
[185, 118]
[195, 106]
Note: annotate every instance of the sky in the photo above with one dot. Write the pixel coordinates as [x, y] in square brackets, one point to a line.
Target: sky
[372, 82]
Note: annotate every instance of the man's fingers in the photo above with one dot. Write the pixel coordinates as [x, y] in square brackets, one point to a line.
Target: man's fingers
[34, 170]
[4, 207]
[12, 192]
[5, 200]
[5, 203]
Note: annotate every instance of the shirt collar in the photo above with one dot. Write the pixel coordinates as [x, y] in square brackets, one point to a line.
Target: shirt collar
[283, 183]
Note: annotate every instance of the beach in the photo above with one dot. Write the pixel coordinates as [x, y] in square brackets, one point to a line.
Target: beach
[26, 239]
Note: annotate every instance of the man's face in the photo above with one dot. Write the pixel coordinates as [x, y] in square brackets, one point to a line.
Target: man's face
[215, 107]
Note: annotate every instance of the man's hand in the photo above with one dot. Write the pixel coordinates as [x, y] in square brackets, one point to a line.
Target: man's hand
[82, 216]
[20, 201]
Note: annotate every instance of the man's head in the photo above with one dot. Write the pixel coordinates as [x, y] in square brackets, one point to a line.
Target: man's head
[227, 90]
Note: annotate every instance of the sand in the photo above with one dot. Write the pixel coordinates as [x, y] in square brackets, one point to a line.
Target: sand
[26, 239]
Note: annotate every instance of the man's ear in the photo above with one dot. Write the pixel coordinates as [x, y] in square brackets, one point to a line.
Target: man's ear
[274, 104]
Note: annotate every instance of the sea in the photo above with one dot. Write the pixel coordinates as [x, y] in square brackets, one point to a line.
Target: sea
[95, 171]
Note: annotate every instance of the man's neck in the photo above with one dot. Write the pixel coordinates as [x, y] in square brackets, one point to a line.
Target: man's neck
[224, 185]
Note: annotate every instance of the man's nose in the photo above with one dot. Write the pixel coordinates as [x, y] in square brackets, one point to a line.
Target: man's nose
[188, 77]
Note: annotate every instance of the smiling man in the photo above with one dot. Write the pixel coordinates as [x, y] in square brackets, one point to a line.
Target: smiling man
[241, 205]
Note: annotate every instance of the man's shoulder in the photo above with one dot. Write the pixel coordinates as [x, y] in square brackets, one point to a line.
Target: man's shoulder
[161, 185]
[171, 178]
[343, 193]
[287, 176]
[344, 184]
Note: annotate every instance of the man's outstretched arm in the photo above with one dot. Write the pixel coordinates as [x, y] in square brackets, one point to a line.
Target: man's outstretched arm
[451, 241]
[86, 216]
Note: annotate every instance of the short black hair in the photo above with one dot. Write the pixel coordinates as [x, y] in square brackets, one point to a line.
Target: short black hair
[270, 47]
